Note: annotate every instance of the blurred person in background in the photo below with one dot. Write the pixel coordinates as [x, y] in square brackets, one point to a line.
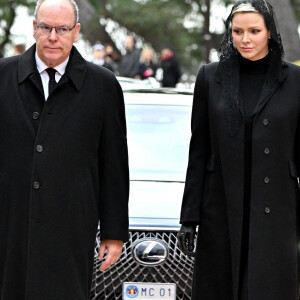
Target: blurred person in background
[112, 57]
[147, 66]
[170, 68]
[130, 61]
[99, 55]
[19, 49]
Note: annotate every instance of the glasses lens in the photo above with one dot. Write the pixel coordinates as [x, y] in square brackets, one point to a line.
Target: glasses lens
[62, 30]
[44, 28]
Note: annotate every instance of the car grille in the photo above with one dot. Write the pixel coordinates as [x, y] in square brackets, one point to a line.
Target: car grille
[178, 269]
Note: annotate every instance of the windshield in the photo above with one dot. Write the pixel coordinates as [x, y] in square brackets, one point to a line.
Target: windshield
[158, 141]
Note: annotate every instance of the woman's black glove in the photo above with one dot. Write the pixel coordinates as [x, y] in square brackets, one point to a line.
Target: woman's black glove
[186, 237]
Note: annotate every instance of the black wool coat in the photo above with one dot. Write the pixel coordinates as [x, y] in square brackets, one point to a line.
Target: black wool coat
[171, 72]
[213, 196]
[63, 166]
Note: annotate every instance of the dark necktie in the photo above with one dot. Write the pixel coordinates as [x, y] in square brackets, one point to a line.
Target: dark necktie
[52, 83]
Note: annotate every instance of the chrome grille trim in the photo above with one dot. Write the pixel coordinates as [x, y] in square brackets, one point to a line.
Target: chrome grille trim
[178, 268]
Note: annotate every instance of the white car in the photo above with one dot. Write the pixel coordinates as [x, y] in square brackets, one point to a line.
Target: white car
[151, 265]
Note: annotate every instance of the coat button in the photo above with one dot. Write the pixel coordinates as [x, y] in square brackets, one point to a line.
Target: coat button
[36, 185]
[267, 151]
[267, 210]
[39, 148]
[267, 180]
[265, 122]
[35, 115]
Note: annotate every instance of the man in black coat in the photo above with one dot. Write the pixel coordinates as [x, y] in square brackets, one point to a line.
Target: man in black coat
[63, 166]
[130, 61]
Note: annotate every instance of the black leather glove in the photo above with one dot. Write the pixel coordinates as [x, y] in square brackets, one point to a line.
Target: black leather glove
[186, 237]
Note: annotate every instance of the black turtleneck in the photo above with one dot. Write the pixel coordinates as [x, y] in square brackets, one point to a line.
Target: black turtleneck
[252, 77]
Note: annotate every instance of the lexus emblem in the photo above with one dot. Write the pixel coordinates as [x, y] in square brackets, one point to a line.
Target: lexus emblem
[150, 252]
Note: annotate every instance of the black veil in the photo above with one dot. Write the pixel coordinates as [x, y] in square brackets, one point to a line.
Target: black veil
[266, 10]
[228, 68]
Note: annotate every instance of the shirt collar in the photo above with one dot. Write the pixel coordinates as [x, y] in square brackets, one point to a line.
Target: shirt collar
[41, 66]
[75, 70]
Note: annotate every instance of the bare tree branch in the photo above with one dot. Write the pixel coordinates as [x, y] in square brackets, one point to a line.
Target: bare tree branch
[11, 18]
[91, 27]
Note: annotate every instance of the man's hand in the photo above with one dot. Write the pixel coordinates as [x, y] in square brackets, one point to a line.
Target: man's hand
[114, 251]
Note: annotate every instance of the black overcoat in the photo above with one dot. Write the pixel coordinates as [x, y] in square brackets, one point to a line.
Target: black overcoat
[214, 195]
[63, 166]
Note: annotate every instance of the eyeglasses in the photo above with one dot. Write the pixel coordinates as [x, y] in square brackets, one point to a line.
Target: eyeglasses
[60, 30]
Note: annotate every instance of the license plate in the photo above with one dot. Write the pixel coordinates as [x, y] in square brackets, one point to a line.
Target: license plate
[154, 291]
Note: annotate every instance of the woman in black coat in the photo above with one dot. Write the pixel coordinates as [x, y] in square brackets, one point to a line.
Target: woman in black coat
[241, 184]
[147, 66]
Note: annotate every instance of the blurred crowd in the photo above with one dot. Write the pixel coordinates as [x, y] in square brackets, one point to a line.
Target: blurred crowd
[135, 63]
[139, 64]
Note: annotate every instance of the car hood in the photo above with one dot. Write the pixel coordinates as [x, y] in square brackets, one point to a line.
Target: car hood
[155, 203]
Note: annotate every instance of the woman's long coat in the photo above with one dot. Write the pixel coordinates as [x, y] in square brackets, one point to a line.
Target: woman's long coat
[214, 195]
[63, 166]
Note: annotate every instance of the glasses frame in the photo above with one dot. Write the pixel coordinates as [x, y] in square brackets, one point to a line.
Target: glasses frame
[55, 27]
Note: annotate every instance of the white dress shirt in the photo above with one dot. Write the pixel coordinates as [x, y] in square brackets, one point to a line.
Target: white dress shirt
[41, 66]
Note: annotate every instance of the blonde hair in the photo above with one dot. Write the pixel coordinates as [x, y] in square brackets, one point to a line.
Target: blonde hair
[143, 54]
